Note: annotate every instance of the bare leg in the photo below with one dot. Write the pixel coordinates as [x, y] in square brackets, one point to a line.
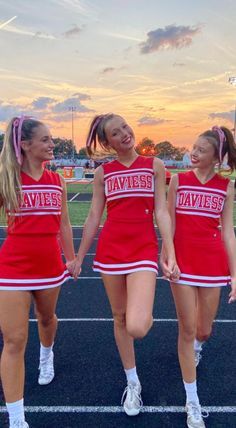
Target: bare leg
[115, 286]
[14, 316]
[131, 300]
[140, 298]
[185, 298]
[45, 306]
[208, 302]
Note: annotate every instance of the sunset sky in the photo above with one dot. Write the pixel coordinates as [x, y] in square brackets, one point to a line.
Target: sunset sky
[163, 65]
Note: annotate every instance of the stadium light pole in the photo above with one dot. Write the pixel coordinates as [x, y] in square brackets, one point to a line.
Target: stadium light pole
[72, 109]
[232, 81]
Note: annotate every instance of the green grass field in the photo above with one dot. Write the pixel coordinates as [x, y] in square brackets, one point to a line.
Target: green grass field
[78, 212]
[79, 188]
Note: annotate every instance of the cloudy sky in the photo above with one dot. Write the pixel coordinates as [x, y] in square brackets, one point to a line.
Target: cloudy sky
[163, 65]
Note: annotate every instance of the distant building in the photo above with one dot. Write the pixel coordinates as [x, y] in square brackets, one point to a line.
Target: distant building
[186, 159]
[61, 162]
[184, 163]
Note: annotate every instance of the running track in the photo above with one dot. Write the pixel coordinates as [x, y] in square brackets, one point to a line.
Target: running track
[89, 380]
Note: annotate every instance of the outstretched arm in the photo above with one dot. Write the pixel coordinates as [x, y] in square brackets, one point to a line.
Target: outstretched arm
[92, 222]
[163, 220]
[171, 200]
[66, 235]
[229, 238]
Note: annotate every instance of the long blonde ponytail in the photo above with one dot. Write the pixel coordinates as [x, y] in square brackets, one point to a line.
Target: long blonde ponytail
[10, 185]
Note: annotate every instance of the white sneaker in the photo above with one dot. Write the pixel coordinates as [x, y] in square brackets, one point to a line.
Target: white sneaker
[131, 399]
[46, 371]
[195, 416]
[19, 424]
[197, 356]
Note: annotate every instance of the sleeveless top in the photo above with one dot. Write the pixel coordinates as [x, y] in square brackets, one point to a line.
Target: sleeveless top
[129, 191]
[127, 242]
[40, 208]
[199, 206]
[199, 248]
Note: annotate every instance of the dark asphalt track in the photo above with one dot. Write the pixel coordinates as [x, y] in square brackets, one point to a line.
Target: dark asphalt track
[89, 372]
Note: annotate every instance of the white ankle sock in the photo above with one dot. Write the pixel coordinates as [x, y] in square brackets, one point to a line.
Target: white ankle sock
[191, 392]
[16, 411]
[131, 375]
[198, 345]
[45, 352]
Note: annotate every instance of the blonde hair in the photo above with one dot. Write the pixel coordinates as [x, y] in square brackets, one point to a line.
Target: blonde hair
[10, 179]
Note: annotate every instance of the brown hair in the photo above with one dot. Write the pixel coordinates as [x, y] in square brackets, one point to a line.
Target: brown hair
[228, 147]
[97, 133]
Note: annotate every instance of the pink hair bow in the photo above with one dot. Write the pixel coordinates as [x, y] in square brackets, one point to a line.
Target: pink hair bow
[17, 127]
[222, 139]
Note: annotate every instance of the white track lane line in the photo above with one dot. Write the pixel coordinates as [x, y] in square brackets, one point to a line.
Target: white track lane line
[219, 321]
[119, 409]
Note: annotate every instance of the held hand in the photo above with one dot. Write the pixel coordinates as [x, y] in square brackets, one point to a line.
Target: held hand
[232, 294]
[170, 269]
[74, 268]
[175, 273]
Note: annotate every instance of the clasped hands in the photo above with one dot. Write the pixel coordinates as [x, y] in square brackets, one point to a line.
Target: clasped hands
[74, 267]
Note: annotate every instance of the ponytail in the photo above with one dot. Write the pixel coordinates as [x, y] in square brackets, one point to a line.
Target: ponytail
[97, 133]
[230, 149]
[223, 141]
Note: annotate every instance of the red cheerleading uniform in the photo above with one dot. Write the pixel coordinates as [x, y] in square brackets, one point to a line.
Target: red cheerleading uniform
[200, 251]
[30, 257]
[127, 242]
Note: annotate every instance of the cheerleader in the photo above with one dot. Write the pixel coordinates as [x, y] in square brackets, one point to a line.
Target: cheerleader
[133, 189]
[34, 201]
[200, 201]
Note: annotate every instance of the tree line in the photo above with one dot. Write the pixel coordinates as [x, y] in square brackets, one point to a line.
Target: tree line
[65, 148]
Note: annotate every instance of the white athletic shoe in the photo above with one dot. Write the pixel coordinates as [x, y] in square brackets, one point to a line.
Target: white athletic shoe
[197, 356]
[194, 415]
[19, 424]
[46, 371]
[131, 399]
